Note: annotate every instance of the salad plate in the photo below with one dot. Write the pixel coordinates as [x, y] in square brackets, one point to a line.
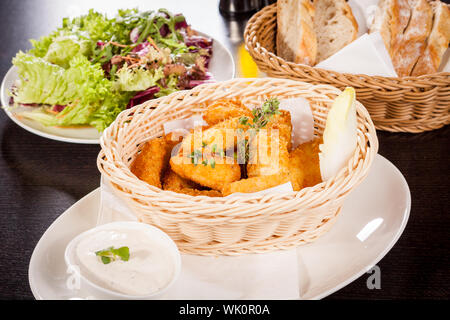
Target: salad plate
[221, 67]
[372, 220]
[87, 135]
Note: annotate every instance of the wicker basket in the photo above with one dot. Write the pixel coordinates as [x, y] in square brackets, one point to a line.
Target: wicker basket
[409, 104]
[237, 224]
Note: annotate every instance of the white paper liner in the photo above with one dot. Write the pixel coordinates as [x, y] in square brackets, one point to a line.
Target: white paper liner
[302, 120]
[282, 188]
[182, 126]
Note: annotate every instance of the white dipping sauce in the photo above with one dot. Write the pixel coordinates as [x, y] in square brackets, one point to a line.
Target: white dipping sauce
[149, 268]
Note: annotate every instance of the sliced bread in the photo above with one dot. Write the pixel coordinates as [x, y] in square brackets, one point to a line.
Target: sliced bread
[437, 42]
[296, 39]
[335, 26]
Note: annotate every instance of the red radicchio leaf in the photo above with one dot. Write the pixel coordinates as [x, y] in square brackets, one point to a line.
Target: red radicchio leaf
[143, 96]
[141, 49]
[164, 30]
[58, 108]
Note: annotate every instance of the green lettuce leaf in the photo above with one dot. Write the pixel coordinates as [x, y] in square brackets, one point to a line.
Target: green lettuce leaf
[40, 47]
[114, 104]
[89, 97]
[137, 79]
[40, 81]
[64, 48]
[171, 86]
[95, 25]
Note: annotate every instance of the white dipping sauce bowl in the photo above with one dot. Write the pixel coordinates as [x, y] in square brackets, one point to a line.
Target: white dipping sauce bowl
[100, 292]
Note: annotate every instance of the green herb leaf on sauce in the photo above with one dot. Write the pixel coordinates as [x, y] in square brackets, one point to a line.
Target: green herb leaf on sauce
[110, 254]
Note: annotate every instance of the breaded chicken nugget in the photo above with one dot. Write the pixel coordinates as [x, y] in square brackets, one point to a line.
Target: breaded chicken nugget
[172, 140]
[224, 109]
[268, 155]
[213, 172]
[296, 173]
[283, 123]
[255, 184]
[221, 136]
[175, 183]
[304, 161]
[152, 161]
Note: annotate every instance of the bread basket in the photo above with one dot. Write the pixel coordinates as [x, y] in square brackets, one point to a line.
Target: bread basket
[236, 224]
[408, 104]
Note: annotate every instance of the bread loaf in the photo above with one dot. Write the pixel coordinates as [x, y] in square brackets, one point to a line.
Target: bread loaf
[391, 20]
[408, 46]
[437, 42]
[335, 26]
[296, 39]
[384, 17]
[400, 21]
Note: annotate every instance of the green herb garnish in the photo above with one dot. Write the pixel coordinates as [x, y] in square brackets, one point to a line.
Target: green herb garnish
[243, 120]
[195, 156]
[263, 114]
[110, 254]
[261, 117]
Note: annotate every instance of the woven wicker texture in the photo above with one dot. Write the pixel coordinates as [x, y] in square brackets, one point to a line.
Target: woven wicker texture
[236, 224]
[408, 104]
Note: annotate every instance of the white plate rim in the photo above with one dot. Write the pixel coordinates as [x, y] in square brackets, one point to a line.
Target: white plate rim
[387, 248]
[322, 295]
[6, 105]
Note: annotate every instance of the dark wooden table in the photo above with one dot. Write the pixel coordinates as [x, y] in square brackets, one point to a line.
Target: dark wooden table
[41, 178]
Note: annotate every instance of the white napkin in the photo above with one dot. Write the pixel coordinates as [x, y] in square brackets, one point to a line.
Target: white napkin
[262, 276]
[112, 208]
[366, 55]
[253, 276]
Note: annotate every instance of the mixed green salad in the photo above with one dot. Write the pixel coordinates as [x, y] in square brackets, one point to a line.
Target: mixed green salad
[93, 67]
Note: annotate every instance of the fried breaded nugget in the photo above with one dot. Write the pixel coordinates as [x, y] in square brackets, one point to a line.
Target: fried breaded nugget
[304, 161]
[268, 155]
[283, 123]
[296, 173]
[172, 140]
[221, 136]
[224, 109]
[152, 161]
[255, 184]
[175, 183]
[213, 172]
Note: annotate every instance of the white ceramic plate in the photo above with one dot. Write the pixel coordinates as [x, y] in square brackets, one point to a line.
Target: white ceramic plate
[372, 220]
[221, 66]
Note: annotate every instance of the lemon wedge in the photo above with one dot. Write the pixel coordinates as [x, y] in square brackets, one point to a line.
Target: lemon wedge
[340, 135]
